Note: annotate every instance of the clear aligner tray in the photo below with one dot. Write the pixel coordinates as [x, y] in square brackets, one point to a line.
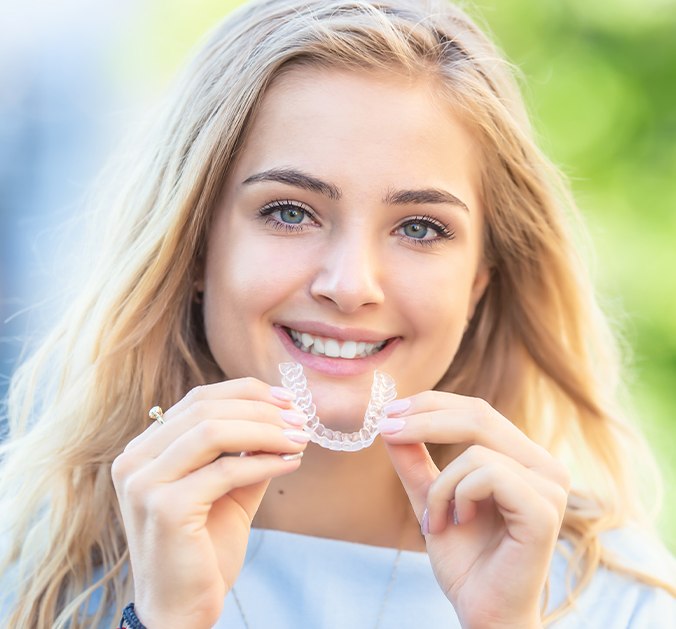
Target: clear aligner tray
[383, 391]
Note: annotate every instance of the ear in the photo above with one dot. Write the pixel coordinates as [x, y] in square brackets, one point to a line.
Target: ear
[481, 280]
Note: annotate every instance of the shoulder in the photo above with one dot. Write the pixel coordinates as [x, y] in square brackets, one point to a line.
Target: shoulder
[614, 597]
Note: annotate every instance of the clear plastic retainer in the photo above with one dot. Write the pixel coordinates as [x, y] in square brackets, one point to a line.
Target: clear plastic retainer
[383, 391]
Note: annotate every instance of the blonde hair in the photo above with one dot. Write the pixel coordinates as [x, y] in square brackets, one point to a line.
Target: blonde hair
[538, 348]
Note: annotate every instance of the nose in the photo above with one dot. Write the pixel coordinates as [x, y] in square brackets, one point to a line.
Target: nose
[349, 274]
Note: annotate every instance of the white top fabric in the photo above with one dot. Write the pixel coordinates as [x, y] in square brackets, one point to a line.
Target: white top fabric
[301, 582]
[296, 581]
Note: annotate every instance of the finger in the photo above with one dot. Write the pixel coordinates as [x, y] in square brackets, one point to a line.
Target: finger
[211, 438]
[158, 437]
[250, 389]
[443, 491]
[228, 474]
[221, 524]
[240, 389]
[529, 518]
[175, 504]
[417, 472]
[441, 417]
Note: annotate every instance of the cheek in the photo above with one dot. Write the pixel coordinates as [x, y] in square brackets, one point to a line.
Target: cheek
[245, 278]
[436, 292]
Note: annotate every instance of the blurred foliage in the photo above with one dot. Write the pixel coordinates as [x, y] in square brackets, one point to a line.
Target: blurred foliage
[600, 81]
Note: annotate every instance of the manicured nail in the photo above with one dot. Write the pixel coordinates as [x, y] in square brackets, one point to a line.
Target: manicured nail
[282, 394]
[292, 457]
[293, 417]
[389, 426]
[396, 407]
[298, 436]
[425, 523]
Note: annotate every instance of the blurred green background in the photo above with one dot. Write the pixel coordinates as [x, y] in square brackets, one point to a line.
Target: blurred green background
[600, 81]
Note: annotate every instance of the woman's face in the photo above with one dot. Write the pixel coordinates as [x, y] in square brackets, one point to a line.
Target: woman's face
[348, 239]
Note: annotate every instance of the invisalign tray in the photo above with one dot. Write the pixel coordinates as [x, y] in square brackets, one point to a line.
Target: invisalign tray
[383, 391]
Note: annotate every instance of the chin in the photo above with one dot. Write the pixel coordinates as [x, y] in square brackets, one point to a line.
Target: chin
[346, 415]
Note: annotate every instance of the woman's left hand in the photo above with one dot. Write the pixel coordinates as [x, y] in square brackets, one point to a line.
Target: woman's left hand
[492, 516]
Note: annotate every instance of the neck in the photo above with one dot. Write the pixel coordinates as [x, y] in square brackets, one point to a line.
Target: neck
[351, 496]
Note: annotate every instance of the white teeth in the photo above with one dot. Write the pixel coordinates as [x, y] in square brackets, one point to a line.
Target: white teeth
[321, 346]
[348, 350]
[332, 348]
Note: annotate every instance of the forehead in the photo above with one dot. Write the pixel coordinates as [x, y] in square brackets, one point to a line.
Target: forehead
[346, 124]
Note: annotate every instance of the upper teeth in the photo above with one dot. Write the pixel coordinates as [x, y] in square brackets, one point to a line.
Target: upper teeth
[333, 348]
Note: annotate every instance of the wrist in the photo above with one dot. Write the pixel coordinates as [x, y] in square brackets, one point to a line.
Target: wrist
[528, 622]
[129, 619]
[531, 622]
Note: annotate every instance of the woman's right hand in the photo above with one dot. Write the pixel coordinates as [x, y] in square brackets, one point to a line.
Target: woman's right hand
[187, 510]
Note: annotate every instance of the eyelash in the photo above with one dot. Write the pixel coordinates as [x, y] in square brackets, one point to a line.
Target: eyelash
[275, 206]
[444, 232]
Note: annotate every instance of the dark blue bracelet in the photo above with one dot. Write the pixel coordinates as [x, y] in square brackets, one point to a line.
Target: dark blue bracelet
[129, 619]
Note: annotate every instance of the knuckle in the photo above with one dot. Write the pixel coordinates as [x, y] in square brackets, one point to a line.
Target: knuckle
[560, 495]
[476, 454]
[208, 430]
[436, 493]
[196, 393]
[122, 466]
[250, 385]
[550, 517]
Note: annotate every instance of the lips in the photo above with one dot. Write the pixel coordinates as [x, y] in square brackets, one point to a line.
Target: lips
[375, 351]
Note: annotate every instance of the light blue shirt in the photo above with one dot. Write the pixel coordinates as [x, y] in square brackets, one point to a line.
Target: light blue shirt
[295, 581]
[291, 581]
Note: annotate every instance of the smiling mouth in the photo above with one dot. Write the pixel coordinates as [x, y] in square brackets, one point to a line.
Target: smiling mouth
[333, 348]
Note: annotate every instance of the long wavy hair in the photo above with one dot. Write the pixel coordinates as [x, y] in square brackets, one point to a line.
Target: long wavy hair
[537, 348]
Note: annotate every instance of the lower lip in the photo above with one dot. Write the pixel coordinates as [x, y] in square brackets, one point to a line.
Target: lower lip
[336, 366]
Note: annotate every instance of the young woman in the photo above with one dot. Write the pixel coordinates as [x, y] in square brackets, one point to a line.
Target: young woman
[350, 186]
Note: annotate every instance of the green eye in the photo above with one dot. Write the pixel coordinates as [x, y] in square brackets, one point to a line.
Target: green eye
[425, 230]
[291, 214]
[416, 230]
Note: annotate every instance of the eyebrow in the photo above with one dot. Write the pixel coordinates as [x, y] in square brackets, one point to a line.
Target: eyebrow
[422, 197]
[299, 179]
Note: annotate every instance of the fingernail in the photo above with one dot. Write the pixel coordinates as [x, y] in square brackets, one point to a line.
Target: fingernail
[455, 517]
[298, 436]
[292, 457]
[293, 417]
[396, 407]
[281, 393]
[389, 426]
[425, 522]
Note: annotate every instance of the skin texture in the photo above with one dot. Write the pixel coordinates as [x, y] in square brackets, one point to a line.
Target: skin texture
[352, 260]
[350, 268]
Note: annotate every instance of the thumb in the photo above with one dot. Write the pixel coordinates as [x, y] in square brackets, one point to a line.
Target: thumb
[416, 469]
[250, 497]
